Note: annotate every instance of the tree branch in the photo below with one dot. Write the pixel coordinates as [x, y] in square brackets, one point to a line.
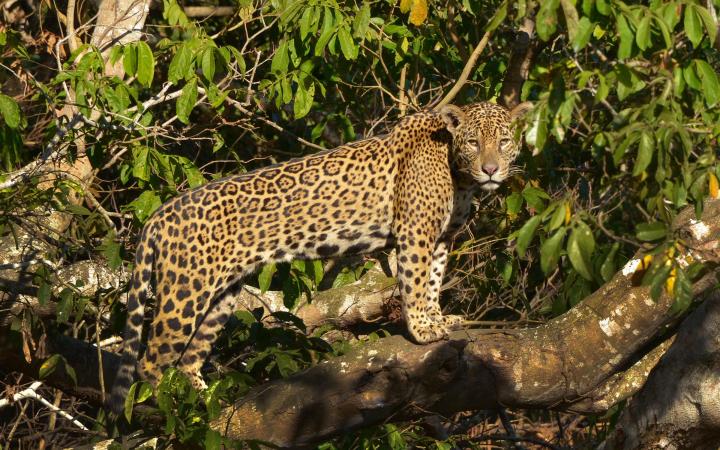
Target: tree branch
[469, 66]
[519, 65]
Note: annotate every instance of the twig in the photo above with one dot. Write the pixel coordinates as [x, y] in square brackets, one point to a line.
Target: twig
[403, 104]
[507, 424]
[30, 393]
[532, 440]
[109, 341]
[237, 105]
[70, 26]
[24, 174]
[209, 11]
[469, 66]
[15, 425]
[103, 212]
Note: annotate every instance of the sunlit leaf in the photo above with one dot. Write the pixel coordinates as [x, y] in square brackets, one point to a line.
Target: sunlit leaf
[526, 234]
[550, 250]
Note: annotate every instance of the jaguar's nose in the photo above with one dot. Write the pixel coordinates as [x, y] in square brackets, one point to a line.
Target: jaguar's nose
[490, 168]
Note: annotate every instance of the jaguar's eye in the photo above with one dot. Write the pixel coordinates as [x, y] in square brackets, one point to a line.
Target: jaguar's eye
[473, 143]
[505, 142]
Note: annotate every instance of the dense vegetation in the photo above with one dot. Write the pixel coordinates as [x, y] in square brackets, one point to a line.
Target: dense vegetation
[623, 135]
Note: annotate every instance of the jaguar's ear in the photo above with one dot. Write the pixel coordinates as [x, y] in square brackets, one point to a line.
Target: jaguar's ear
[453, 117]
[520, 110]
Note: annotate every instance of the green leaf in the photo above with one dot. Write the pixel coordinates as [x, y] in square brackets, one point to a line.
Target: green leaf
[536, 136]
[186, 102]
[710, 83]
[535, 197]
[557, 218]
[608, 269]
[10, 111]
[145, 64]
[584, 31]
[708, 21]
[571, 19]
[111, 251]
[130, 400]
[213, 440]
[180, 65]
[265, 277]
[305, 21]
[651, 231]
[513, 203]
[693, 25]
[49, 366]
[208, 63]
[645, 153]
[44, 291]
[642, 37]
[130, 60]
[141, 166]
[347, 45]
[550, 250]
[578, 254]
[587, 241]
[326, 32]
[145, 205]
[361, 24]
[498, 17]
[193, 175]
[691, 78]
[303, 100]
[626, 37]
[345, 277]
[546, 20]
[603, 7]
[281, 59]
[525, 235]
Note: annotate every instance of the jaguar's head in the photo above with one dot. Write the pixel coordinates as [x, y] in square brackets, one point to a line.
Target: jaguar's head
[484, 146]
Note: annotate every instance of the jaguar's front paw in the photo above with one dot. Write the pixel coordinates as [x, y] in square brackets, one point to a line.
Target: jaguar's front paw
[424, 330]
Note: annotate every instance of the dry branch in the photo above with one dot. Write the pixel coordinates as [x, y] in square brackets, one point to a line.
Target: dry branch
[469, 66]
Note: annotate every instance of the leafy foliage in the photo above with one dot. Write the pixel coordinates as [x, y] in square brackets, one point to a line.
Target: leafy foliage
[623, 135]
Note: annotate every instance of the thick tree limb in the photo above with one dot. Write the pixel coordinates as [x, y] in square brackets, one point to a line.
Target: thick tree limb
[548, 366]
[543, 367]
[679, 406]
[519, 65]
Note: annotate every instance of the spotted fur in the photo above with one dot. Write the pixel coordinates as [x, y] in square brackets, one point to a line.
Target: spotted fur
[410, 189]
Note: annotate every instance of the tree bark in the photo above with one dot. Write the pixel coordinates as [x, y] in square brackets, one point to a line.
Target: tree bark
[679, 406]
[519, 64]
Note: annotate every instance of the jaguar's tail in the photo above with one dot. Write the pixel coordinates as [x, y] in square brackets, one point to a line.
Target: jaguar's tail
[137, 296]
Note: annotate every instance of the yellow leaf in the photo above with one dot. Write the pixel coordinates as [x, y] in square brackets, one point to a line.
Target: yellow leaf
[713, 185]
[418, 12]
[670, 282]
[405, 5]
[645, 262]
[567, 213]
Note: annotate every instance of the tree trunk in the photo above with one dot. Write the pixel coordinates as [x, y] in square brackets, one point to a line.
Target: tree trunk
[679, 406]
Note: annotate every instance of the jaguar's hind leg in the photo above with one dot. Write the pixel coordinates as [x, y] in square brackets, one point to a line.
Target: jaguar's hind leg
[207, 329]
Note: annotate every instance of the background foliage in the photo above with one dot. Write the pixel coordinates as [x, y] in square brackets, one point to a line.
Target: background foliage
[623, 135]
